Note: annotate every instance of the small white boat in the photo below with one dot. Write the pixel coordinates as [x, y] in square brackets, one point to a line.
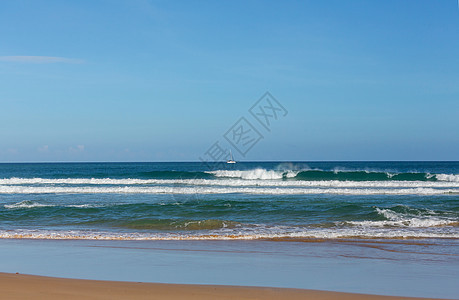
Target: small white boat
[231, 161]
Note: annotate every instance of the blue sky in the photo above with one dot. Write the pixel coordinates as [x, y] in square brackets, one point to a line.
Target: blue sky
[164, 80]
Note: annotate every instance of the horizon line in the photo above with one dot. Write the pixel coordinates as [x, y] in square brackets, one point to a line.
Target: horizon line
[198, 161]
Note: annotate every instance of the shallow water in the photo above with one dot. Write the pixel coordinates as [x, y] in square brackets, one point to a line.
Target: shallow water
[424, 268]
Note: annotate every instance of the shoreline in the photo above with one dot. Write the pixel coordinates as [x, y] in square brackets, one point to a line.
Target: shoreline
[21, 286]
[390, 269]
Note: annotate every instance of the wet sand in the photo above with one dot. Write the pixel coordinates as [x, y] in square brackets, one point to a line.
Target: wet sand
[228, 269]
[19, 286]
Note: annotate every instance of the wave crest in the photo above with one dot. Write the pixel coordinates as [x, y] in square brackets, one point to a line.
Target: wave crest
[258, 173]
[26, 204]
[404, 216]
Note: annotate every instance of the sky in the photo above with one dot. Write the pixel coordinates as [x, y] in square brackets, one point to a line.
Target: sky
[140, 80]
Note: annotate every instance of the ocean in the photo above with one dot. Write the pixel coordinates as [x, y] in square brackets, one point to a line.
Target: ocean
[245, 201]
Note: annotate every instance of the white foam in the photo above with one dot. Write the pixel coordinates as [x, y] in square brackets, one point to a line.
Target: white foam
[236, 180]
[90, 181]
[447, 177]
[396, 219]
[255, 174]
[26, 204]
[32, 204]
[19, 189]
[318, 183]
[252, 233]
[87, 205]
[252, 182]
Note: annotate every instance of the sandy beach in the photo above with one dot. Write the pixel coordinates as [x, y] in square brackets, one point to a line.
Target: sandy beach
[219, 269]
[229, 150]
[19, 286]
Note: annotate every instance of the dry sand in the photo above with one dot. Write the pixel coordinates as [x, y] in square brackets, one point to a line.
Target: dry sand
[19, 286]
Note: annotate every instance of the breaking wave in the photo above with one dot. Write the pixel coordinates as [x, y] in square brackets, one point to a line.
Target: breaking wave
[18, 189]
[255, 174]
[404, 216]
[26, 204]
[294, 234]
[336, 174]
[252, 174]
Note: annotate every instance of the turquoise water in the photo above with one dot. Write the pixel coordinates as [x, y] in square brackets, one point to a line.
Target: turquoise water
[250, 200]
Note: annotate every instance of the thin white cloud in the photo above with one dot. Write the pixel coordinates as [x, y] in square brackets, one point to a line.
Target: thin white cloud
[40, 59]
[77, 149]
[43, 149]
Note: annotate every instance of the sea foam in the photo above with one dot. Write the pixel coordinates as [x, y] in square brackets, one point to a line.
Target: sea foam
[396, 219]
[26, 204]
[225, 181]
[18, 189]
[282, 232]
[255, 174]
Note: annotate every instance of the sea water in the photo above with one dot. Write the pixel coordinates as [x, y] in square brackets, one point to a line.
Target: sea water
[243, 201]
[370, 227]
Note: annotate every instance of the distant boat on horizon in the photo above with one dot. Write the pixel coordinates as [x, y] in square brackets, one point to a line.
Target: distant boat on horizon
[231, 161]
